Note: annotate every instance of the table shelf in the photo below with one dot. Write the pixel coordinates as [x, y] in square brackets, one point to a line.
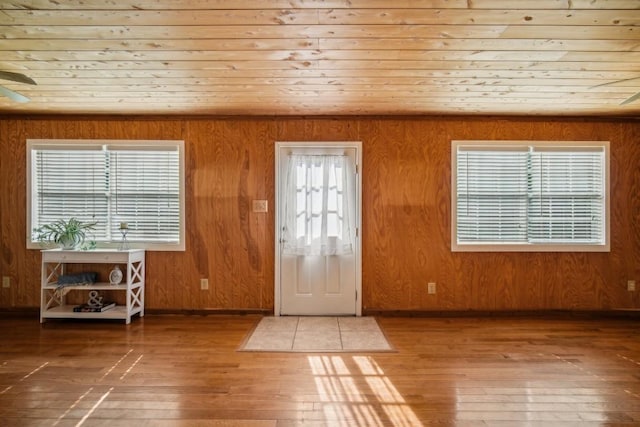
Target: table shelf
[66, 312]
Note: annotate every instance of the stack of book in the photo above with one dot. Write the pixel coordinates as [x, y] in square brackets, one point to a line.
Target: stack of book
[90, 308]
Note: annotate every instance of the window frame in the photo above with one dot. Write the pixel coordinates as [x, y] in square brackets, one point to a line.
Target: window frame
[529, 246]
[143, 145]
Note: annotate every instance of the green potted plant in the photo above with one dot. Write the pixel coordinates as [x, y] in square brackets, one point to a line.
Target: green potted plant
[70, 234]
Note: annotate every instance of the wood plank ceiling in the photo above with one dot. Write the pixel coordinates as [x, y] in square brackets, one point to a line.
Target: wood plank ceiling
[283, 57]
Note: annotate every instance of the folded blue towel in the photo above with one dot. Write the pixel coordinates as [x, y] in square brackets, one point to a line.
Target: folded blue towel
[77, 279]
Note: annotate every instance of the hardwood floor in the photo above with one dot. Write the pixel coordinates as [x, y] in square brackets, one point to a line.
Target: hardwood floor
[185, 371]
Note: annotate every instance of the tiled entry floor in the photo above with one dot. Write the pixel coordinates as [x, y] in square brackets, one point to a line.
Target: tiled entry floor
[317, 334]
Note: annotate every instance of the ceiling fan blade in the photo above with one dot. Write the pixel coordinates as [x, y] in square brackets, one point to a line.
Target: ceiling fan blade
[13, 95]
[614, 82]
[16, 77]
[631, 99]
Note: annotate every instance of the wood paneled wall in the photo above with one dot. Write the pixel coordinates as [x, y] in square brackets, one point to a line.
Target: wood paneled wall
[406, 214]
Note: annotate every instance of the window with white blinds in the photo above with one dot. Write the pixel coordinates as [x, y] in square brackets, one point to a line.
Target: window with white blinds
[110, 182]
[530, 196]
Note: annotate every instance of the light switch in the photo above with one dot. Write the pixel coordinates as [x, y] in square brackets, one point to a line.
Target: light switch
[260, 206]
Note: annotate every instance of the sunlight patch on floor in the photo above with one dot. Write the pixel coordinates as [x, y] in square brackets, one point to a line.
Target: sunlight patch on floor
[360, 396]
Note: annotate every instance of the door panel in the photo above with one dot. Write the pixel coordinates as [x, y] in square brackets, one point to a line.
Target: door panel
[319, 284]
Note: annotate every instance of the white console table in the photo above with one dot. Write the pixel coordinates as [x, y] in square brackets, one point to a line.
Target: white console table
[54, 264]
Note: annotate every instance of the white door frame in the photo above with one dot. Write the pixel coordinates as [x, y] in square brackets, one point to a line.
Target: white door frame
[357, 145]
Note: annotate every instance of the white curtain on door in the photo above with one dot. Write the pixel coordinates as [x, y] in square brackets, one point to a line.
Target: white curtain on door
[316, 206]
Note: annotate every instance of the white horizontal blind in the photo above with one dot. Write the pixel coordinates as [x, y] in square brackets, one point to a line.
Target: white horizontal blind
[135, 182]
[145, 194]
[566, 195]
[71, 184]
[530, 195]
[492, 195]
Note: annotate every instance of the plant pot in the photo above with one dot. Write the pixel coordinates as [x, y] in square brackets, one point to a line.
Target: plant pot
[69, 243]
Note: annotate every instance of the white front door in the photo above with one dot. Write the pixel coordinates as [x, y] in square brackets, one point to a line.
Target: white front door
[317, 275]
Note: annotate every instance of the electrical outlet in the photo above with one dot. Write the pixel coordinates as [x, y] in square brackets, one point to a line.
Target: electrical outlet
[631, 285]
[6, 281]
[204, 284]
[431, 288]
